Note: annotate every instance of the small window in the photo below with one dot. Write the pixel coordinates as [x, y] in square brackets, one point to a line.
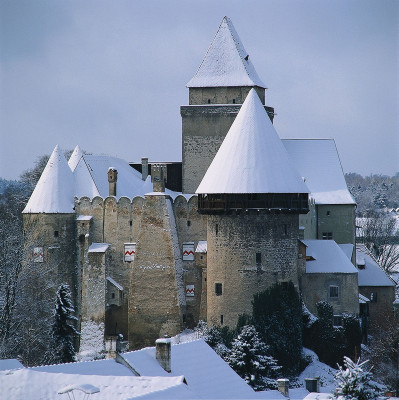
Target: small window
[130, 222]
[285, 230]
[188, 223]
[234, 101]
[337, 320]
[218, 289]
[334, 292]
[56, 233]
[328, 213]
[258, 258]
[373, 297]
[327, 236]
[82, 238]
[221, 319]
[209, 101]
[216, 229]
[113, 295]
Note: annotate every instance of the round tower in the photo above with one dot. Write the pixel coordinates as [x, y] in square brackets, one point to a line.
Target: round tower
[253, 196]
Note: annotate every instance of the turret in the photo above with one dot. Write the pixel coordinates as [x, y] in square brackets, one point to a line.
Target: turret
[252, 195]
[216, 92]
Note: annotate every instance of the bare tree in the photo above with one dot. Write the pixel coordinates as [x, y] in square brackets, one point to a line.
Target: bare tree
[379, 233]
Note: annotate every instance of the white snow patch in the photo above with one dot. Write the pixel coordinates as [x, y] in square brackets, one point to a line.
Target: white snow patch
[98, 247]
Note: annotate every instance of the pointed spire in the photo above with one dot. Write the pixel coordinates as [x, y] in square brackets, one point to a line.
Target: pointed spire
[75, 157]
[252, 158]
[226, 62]
[54, 192]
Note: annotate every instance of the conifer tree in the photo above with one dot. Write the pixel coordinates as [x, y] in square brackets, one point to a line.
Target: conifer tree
[354, 382]
[250, 359]
[63, 331]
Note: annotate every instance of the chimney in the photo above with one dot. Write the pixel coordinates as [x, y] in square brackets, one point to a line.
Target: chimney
[312, 385]
[158, 177]
[163, 353]
[112, 178]
[283, 385]
[144, 168]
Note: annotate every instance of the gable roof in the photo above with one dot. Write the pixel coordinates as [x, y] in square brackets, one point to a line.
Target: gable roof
[372, 274]
[328, 258]
[252, 158]
[317, 160]
[207, 375]
[55, 189]
[226, 63]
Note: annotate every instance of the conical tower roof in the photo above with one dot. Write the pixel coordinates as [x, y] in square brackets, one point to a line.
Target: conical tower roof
[252, 158]
[54, 192]
[75, 158]
[226, 62]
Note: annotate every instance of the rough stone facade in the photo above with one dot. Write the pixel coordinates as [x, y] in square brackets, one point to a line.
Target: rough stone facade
[315, 288]
[381, 300]
[247, 254]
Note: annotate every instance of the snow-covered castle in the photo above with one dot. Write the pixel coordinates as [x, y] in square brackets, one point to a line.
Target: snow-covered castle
[151, 248]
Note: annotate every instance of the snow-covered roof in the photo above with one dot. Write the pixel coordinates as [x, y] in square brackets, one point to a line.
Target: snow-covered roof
[10, 364]
[207, 375]
[115, 283]
[328, 258]
[372, 274]
[318, 162]
[347, 248]
[58, 185]
[202, 246]
[363, 299]
[252, 158]
[55, 189]
[98, 248]
[36, 385]
[226, 63]
[75, 157]
[84, 218]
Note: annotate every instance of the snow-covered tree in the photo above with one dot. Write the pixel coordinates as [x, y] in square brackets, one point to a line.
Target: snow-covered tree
[249, 357]
[63, 331]
[213, 337]
[354, 382]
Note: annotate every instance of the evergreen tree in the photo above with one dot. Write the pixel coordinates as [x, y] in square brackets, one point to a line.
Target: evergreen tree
[250, 359]
[277, 314]
[354, 382]
[63, 332]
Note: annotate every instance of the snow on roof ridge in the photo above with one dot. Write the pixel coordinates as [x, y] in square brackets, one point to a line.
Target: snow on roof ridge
[226, 62]
[252, 158]
[54, 192]
[75, 157]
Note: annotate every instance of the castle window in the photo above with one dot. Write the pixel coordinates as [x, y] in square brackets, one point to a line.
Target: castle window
[56, 233]
[113, 295]
[258, 259]
[188, 223]
[234, 101]
[333, 292]
[216, 229]
[285, 230]
[221, 319]
[209, 101]
[130, 222]
[327, 236]
[82, 238]
[328, 213]
[218, 289]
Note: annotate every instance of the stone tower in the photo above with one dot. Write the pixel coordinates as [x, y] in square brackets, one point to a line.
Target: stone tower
[49, 236]
[253, 196]
[216, 92]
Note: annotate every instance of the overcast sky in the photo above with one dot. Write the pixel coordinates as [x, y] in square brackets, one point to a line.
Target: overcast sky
[110, 75]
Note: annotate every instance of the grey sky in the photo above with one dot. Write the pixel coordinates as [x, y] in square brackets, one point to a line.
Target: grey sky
[110, 75]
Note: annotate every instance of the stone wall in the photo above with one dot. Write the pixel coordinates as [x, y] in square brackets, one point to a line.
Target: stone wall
[338, 219]
[315, 288]
[381, 300]
[222, 95]
[233, 244]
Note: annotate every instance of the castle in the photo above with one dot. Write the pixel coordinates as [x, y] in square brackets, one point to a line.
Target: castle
[152, 249]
